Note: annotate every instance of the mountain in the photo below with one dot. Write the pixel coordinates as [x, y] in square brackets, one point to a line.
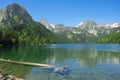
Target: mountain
[113, 25]
[87, 24]
[46, 24]
[14, 14]
[113, 37]
[18, 27]
[87, 31]
[93, 28]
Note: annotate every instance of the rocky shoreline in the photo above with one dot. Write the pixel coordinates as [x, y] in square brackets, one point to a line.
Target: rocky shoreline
[8, 77]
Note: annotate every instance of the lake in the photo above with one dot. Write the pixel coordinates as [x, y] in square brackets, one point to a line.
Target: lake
[85, 61]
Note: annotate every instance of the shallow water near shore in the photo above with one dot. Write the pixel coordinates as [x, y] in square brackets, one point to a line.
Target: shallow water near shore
[85, 61]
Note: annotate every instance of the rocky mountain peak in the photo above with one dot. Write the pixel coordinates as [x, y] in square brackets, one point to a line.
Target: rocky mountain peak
[12, 14]
[46, 24]
[14, 6]
[87, 23]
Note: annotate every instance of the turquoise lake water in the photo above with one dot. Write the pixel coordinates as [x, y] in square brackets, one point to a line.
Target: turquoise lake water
[85, 61]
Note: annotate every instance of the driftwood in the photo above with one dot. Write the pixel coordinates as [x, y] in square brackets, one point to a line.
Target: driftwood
[60, 70]
[26, 63]
[14, 78]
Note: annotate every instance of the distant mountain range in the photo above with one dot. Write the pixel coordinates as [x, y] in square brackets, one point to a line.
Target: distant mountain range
[18, 27]
[87, 31]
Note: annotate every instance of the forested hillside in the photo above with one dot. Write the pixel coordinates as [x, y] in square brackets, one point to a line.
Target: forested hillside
[110, 38]
[17, 27]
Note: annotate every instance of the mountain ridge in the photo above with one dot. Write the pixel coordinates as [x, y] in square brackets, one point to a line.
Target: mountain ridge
[18, 27]
[87, 31]
[109, 25]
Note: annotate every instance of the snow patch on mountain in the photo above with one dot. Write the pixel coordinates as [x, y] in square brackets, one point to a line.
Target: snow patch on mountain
[113, 25]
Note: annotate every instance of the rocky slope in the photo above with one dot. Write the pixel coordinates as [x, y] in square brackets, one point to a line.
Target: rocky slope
[25, 30]
[18, 27]
[87, 31]
[13, 15]
[46, 24]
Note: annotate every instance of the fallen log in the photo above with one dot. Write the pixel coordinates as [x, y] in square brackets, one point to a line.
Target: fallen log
[26, 63]
[14, 78]
[60, 70]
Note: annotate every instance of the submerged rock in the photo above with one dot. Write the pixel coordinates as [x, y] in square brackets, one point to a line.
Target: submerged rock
[59, 70]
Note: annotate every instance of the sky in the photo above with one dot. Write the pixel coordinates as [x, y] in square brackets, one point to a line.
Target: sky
[70, 12]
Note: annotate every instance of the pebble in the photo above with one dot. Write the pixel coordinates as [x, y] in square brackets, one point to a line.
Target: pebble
[8, 77]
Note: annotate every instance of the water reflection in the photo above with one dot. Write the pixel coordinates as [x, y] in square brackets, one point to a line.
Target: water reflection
[26, 53]
[86, 55]
[75, 56]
